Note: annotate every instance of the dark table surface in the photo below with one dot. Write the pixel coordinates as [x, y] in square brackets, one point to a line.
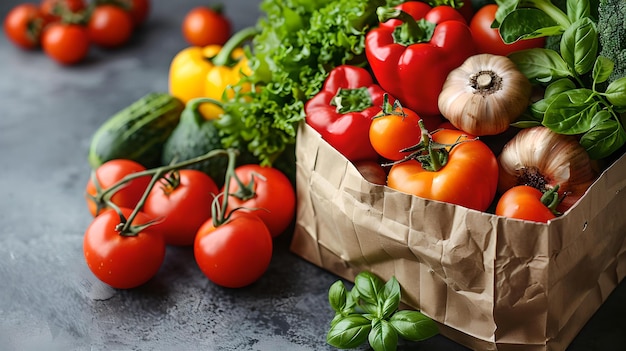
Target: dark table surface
[49, 300]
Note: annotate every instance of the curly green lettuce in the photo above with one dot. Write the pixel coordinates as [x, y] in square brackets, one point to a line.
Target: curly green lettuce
[299, 42]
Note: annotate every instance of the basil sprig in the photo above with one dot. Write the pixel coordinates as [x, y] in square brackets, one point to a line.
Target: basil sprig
[575, 101]
[369, 312]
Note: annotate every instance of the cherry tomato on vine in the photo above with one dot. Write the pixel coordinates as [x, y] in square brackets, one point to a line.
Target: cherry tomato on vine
[52, 9]
[122, 261]
[23, 25]
[468, 178]
[393, 131]
[110, 26]
[268, 191]
[181, 202]
[236, 253]
[204, 26]
[524, 202]
[488, 39]
[110, 173]
[65, 43]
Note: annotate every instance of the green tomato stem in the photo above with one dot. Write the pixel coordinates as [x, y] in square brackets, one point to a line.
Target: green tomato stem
[220, 216]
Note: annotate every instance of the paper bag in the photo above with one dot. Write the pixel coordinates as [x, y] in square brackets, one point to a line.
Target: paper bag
[491, 283]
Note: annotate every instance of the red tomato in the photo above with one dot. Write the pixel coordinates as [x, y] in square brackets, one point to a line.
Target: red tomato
[488, 39]
[390, 133]
[181, 207]
[236, 253]
[52, 9]
[110, 26]
[65, 43]
[469, 178]
[110, 173]
[268, 191]
[122, 261]
[23, 25]
[204, 26]
[524, 202]
[139, 11]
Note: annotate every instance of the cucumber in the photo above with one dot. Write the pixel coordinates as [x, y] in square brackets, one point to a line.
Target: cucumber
[137, 132]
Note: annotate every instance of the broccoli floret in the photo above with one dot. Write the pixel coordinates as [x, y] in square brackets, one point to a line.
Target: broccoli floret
[612, 34]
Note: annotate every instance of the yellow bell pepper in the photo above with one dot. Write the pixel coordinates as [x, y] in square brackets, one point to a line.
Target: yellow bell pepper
[210, 71]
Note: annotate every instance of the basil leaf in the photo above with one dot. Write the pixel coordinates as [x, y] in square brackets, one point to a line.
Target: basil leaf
[525, 23]
[349, 332]
[600, 117]
[368, 288]
[559, 86]
[577, 9]
[391, 297]
[504, 8]
[579, 45]
[413, 325]
[616, 92]
[383, 337]
[525, 124]
[571, 112]
[602, 69]
[337, 296]
[603, 139]
[540, 65]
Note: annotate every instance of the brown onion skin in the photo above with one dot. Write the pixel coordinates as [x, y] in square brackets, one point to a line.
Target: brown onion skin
[546, 159]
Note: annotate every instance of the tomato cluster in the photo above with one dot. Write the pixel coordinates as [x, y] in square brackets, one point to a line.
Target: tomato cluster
[66, 29]
[231, 230]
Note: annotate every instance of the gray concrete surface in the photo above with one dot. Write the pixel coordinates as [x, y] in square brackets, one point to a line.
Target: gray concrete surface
[49, 300]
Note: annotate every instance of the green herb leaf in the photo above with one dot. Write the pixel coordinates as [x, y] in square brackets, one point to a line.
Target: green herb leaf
[390, 297]
[349, 332]
[579, 45]
[602, 69]
[413, 325]
[603, 139]
[600, 117]
[525, 123]
[577, 9]
[616, 92]
[369, 288]
[540, 65]
[383, 337]
[538, 108]
[571, 112]
[526, 23]
[338, 296]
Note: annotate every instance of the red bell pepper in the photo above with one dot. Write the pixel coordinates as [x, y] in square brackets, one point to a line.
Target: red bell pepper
[343, 110]
[414, 49]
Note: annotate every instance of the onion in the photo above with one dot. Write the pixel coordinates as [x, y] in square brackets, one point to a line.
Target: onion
[542, 158]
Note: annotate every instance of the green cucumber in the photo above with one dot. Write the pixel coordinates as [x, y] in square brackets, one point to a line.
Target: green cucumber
[137, 132]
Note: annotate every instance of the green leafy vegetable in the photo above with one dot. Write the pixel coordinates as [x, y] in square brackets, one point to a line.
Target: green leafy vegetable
[299, 42]
[575, 73]
[370, 312]
[612, 34]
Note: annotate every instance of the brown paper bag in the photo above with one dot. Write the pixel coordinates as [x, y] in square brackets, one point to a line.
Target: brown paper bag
[491, 283]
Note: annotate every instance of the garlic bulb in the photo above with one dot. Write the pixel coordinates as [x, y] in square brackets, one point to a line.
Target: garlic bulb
[485, 95]
[542, 158]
